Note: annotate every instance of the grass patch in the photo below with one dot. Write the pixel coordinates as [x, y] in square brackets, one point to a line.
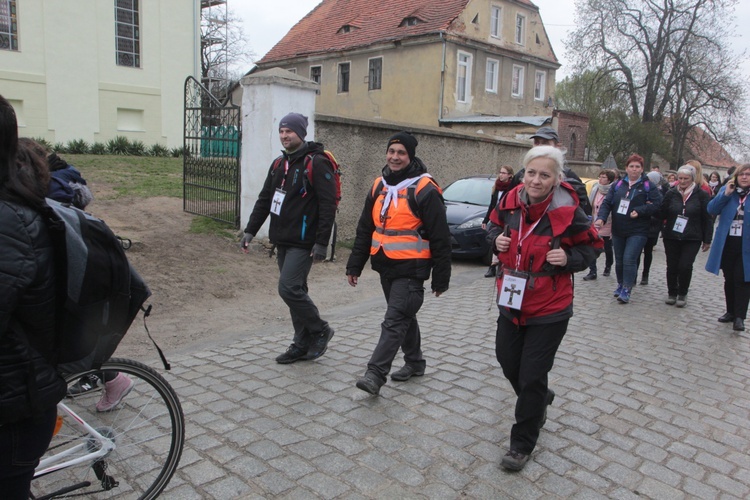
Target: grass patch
[345, 243]
[204, 225]
[140, 176]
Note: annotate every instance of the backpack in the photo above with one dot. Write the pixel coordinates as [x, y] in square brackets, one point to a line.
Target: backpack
[308, 170]
[101, 291]
[583, 197]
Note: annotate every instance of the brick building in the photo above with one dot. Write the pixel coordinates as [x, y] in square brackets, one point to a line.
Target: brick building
[573, 129]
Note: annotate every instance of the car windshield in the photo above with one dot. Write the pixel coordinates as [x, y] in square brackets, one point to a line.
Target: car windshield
[475, 191]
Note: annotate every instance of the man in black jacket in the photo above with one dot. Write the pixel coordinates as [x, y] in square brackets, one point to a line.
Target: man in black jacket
[404, 228]
[302, 210]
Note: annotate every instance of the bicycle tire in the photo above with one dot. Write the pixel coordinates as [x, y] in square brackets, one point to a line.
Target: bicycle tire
[147, 426]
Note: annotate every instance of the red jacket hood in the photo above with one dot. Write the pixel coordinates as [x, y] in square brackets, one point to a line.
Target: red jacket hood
[561, 208]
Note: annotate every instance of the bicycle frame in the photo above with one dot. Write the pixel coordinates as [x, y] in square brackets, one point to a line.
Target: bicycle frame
[93, 451]
[60, 460]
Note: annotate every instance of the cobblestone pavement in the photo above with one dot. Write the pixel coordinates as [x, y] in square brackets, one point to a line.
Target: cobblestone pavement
[652, 402]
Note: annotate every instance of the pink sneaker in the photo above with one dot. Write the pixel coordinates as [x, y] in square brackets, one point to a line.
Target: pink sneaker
[114, 391]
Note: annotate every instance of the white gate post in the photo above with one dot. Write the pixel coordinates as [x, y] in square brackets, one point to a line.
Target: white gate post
[267, 96]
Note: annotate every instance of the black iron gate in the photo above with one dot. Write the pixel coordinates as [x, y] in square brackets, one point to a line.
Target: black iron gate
[211, 158]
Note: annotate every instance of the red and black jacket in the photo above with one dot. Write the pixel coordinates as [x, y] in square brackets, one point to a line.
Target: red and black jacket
[561, 224]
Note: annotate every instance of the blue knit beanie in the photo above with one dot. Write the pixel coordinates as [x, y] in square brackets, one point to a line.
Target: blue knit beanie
[295, 122]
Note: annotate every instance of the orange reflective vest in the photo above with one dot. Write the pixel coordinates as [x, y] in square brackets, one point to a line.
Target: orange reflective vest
[397, 232]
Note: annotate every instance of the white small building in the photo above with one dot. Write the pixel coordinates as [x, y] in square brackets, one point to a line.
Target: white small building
[96, 69]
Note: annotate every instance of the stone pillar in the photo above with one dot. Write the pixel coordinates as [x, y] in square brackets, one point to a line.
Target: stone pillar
[266, 97]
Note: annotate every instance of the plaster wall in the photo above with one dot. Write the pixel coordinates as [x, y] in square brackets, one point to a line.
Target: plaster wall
[360, 146]
[65, 78]
[266, 98]
[410, 90]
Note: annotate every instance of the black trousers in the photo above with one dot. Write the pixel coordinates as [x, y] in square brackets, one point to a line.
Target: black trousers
[294, 267]
[21, 445]
[609, 257]
[526, 355]
[736, 289]
[680, 258]
[648, 254]
[399, 328]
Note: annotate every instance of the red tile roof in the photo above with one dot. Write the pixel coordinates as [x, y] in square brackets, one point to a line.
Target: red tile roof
[371, 21]
[706, 150]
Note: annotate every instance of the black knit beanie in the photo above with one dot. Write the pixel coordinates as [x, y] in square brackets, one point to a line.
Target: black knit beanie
[295, 122]
[407, 140]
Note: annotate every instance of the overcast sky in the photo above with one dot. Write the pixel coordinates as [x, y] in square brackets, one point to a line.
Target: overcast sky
[266, 23]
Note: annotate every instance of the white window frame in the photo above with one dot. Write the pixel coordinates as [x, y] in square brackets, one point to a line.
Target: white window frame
[496, 21]
[491, 75]
[9, 25]
[520, 29]
[517, 81]
[466, 66]
[128, 45]
[540, 84]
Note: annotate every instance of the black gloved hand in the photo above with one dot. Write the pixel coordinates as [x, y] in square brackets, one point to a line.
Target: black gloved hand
[245, 241]
[319, 252]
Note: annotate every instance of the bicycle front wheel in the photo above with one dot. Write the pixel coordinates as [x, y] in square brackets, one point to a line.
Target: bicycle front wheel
[139, 435]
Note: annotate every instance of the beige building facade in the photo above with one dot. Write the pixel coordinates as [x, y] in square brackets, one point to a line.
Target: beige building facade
[486, 67]
[96, 69]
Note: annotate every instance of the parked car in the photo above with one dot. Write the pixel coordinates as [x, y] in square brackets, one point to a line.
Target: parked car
[466, 202]
[589, 183]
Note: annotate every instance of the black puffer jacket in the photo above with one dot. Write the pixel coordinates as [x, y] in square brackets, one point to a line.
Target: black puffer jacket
[700, 224]
[29, 382]
[308, 212]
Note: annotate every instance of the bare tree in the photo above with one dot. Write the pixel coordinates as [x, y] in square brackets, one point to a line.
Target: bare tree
[224, 48]
[671, 60]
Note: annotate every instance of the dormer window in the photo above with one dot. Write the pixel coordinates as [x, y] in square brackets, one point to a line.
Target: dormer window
[410, 21]
[347, 28]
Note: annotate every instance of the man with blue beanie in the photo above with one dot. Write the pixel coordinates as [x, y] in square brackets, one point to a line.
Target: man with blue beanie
[302, 215]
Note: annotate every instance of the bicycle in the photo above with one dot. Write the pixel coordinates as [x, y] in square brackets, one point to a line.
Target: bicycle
[131, 451]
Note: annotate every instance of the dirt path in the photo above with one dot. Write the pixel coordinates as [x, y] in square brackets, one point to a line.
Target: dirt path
[203, 285]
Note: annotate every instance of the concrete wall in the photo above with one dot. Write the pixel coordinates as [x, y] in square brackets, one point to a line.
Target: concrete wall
[65, 84]
[360, 146]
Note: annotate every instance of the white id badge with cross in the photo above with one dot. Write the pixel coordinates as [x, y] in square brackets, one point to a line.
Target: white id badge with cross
[511, 291]
[277, 201]
[735, 229]
[679, 224]
[623, 208]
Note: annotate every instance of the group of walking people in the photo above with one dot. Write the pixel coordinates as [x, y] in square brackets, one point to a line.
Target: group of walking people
[540, 232]
[635, 210]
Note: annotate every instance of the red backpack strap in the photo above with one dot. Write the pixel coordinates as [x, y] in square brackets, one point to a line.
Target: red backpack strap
[309, 167]
[277, 162]
[309, 164]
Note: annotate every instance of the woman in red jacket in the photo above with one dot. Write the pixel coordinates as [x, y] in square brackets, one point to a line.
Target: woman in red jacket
[542, 237]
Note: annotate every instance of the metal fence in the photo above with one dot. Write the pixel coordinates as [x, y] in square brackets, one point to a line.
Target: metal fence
[211, 157]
